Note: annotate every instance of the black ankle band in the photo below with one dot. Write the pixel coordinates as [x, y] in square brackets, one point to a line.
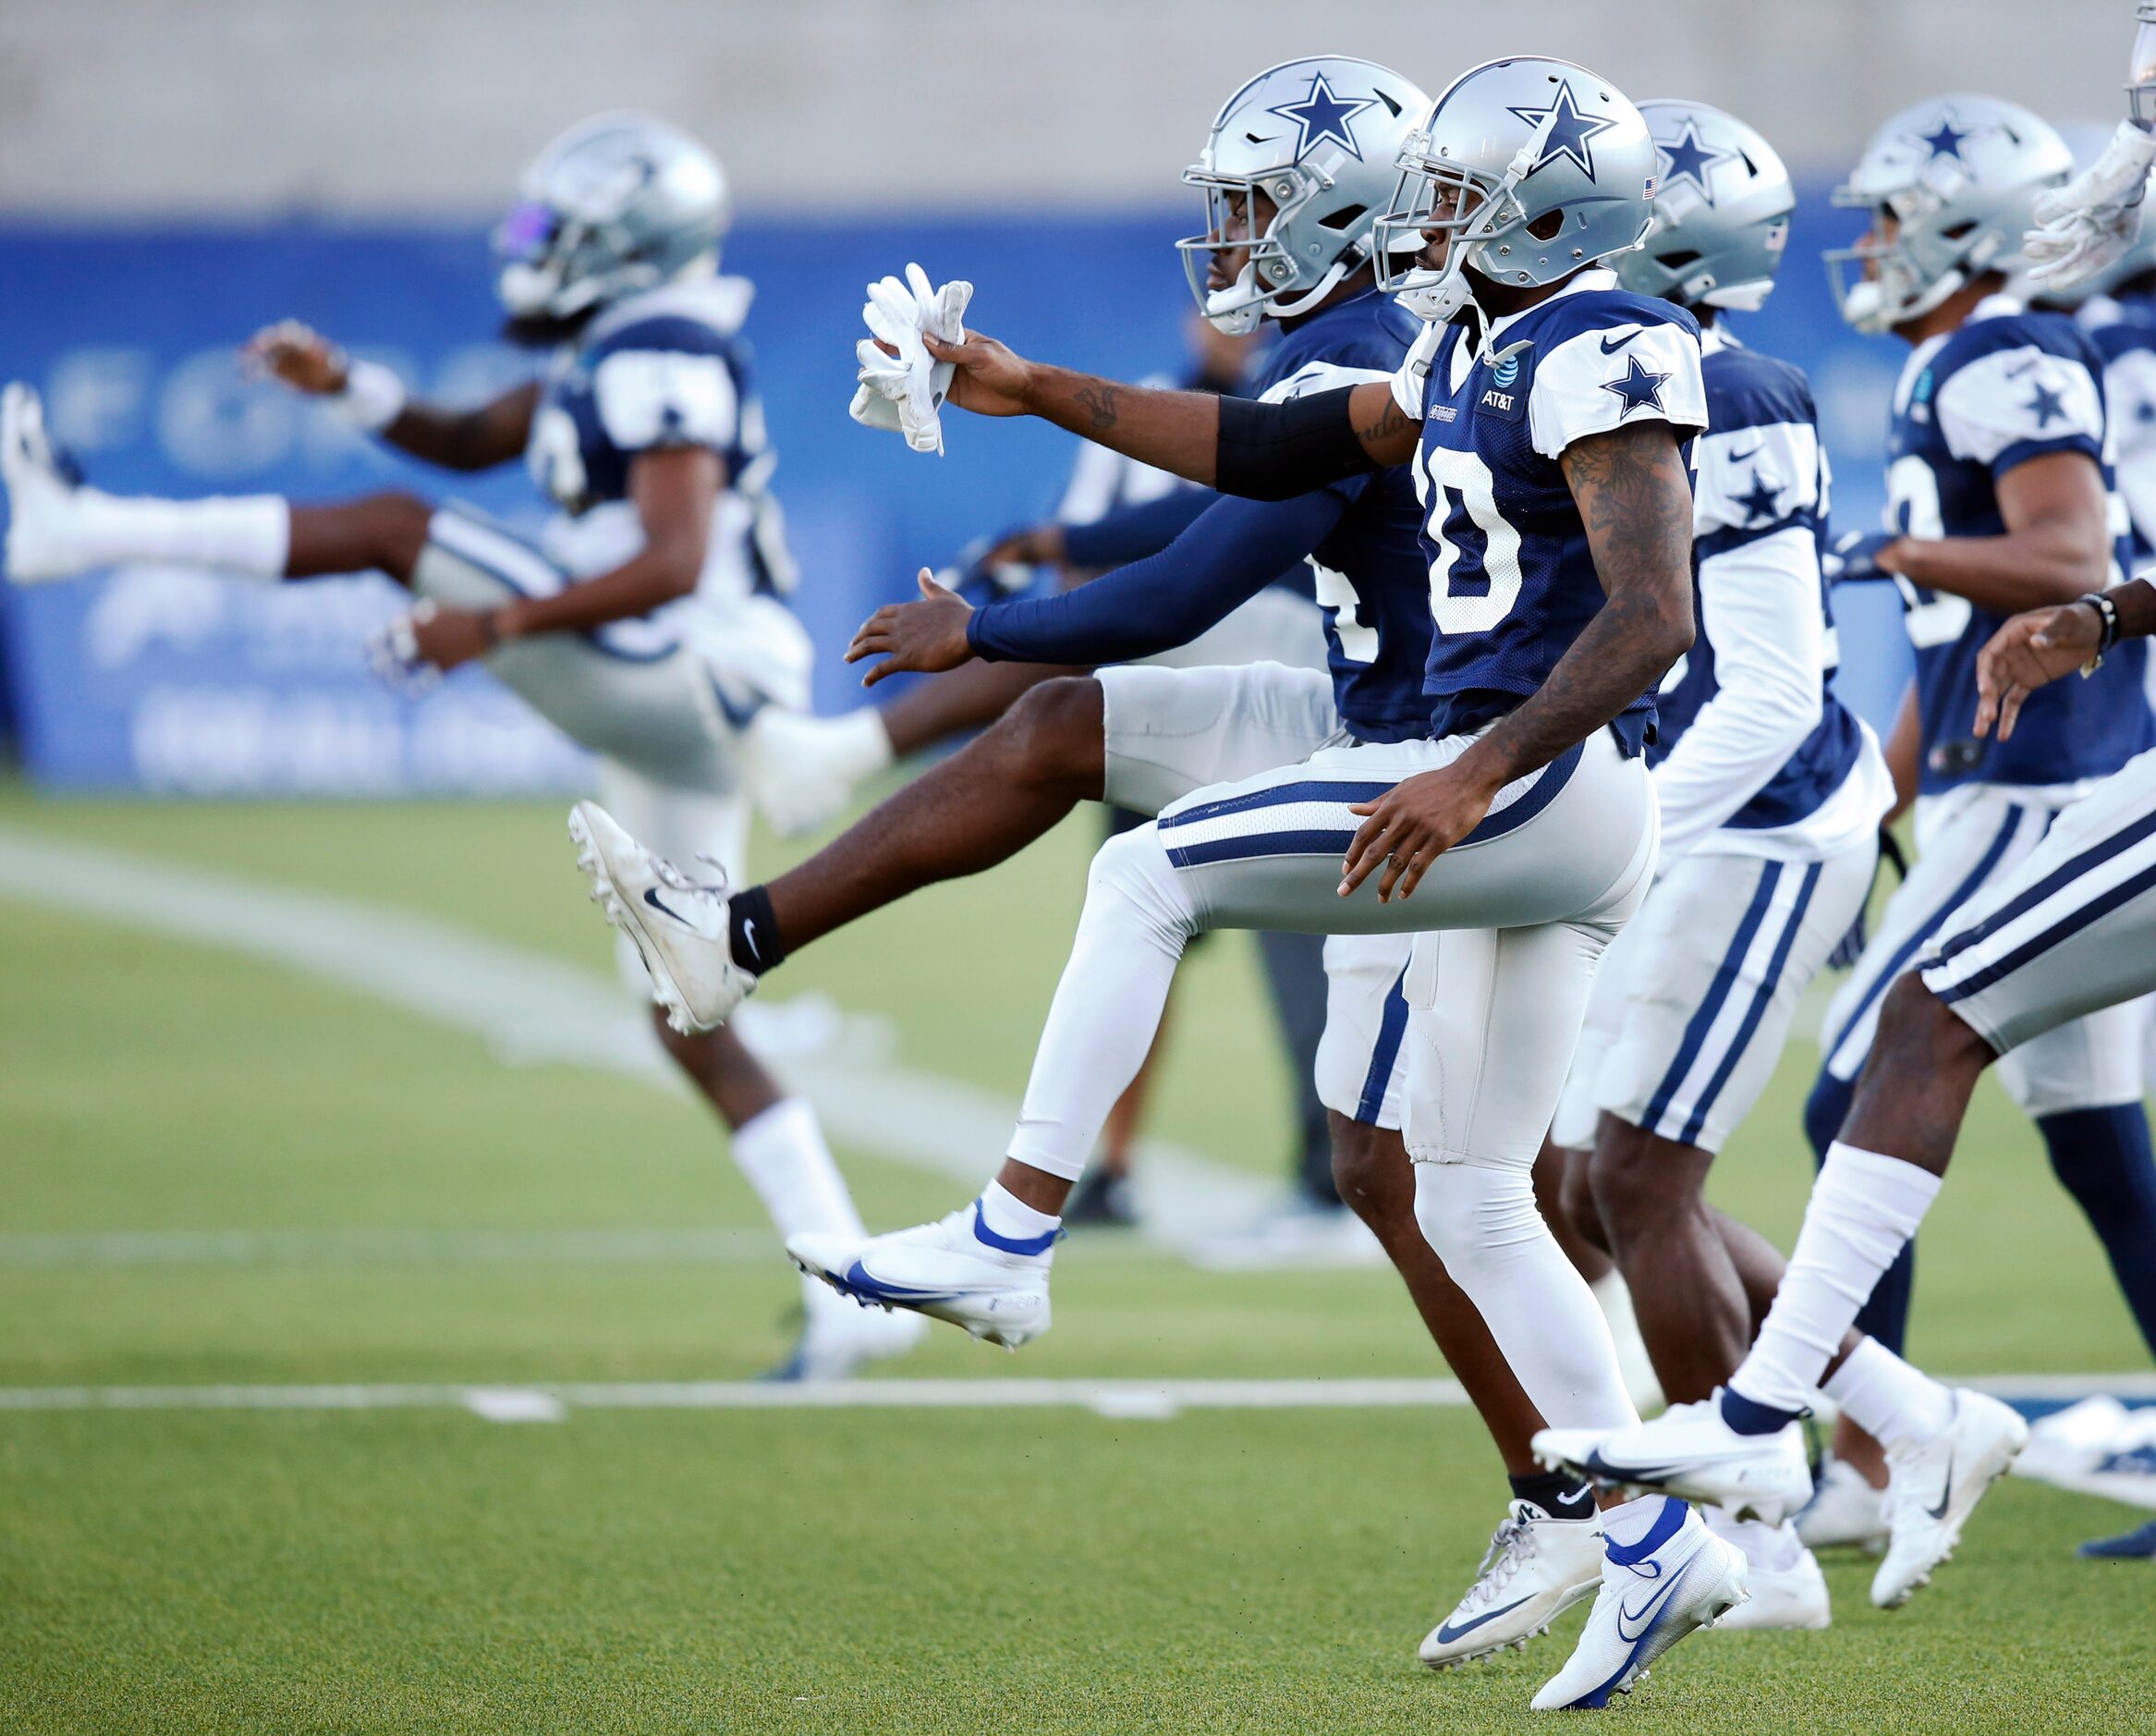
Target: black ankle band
[752, 934]
[1557, 1493]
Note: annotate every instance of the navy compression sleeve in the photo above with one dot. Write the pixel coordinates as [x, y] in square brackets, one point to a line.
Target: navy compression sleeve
[1271, 451]
[1131, 534]
[1233, 551]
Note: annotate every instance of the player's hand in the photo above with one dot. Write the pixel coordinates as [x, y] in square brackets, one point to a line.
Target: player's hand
[299, 356]
[923, 637]
[1854, 557]
[1413, 823]
[2092, 220]
[2032, 649]
[444, 638]
[992, 379]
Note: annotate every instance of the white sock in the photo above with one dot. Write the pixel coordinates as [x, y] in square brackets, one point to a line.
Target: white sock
[249, 535]
[858, 744]
[1484, 1224]
[783, 1154]
[1107, 1008]
[1006, 1213]
[1626, 1525]
[1775, 1547]
[1886, 1397]
[1863, 1208]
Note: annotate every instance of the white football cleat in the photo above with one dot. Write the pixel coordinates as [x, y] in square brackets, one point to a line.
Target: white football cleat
[841, 1338]
[955, 1269]
[42, 497]
[1933, 1487]
[1787, 1589]
[1690, 1450]
[1845, 1512]
[1679, 1579]
[679, 927]
[803, 771]
[1537, 1567]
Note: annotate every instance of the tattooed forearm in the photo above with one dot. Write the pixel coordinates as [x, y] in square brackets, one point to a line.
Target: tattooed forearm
[1171, 430]
[1380, 433]
[1636, 503]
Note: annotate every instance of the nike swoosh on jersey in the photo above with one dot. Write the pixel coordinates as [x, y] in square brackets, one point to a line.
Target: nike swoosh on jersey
[1610, 349]
[1741, 457]
[651, 898]
[1448, 1633]
[1945, 1491]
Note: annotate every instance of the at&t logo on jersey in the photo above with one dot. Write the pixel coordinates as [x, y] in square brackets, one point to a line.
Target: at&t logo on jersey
[1506, 392]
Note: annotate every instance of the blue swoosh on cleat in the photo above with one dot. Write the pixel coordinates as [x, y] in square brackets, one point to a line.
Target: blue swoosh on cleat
[1595, 1466]
[857, 1281]
[1448, 1633]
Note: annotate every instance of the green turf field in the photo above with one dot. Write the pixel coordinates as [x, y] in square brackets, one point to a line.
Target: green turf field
[844, 1570]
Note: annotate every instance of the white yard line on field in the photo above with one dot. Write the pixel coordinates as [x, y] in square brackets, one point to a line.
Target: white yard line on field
[1144, 1400]
[533, 1009]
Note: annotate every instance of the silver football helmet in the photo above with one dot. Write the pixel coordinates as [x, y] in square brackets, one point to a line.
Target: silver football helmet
[1531, 169]
[616, 205]
[1721, 207]
[1955, 178]
[1317, 138]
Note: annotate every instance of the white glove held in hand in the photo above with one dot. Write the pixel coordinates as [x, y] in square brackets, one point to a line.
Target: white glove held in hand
[392, 654]
[2092, 220]
[905, 391]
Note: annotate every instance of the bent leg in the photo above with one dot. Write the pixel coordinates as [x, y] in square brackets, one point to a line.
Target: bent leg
[380, 533]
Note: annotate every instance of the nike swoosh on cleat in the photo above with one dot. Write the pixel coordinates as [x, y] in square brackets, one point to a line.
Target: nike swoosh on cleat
[1448, 1633]
[1644, 1615]
[1595, 1466]
[1610, 349]
[855, 1281]
[651, 898]
[1946, 1492]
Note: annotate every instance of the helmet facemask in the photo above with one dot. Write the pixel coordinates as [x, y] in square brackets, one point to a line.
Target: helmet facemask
[1271, 280]
[1479, 209]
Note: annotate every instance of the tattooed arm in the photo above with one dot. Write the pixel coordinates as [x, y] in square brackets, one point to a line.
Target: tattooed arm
[1180, 430]
[1635, 501]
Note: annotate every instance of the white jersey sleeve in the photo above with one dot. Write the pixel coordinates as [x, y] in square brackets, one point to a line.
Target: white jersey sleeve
[1605, 376]
[1750, 479]
[648, 398]
[2129, 394]
[2008, 398]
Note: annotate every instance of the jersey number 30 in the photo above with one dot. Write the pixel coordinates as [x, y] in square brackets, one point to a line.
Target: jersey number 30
[1448, 475]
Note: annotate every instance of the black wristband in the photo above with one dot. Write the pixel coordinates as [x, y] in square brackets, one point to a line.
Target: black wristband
[1277, 451]
[2107, 613]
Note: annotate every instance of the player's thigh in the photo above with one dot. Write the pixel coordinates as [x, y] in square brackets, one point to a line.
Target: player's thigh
[1578, 1105]
[1576, 839]
[2050, 964]
[1168, 731]
[1493, 1018]
[1714, 967]
[1973, 837]
[1360, 1067]
[684, 825]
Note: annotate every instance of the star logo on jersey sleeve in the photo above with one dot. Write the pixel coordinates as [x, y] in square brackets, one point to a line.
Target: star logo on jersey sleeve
[1321, 115]
[1570, 133]
[1641, 387]
[1760, 503]
[1691, 160]
[2047, 406]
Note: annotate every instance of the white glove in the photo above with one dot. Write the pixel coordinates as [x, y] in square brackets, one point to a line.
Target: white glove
[392, 654]
[905, 391]
[2092, 220]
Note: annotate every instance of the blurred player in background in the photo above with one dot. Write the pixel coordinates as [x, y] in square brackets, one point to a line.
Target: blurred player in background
[649, 624]
[1771, 792]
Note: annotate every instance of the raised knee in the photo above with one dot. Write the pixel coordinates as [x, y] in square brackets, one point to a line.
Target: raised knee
[1916, 1027]
[1055, 732]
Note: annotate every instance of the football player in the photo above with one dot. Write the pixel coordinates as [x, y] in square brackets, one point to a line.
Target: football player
[1999, 493]
[1297, 168]
[1770, 793]
[649, 623]
[1544, 414]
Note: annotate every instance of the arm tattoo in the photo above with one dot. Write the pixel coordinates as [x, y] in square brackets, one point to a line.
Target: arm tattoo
[1099, 403]
[1387, 424]
[1636, 503]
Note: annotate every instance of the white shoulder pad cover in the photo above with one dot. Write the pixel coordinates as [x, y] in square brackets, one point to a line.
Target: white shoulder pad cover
[1576, 389]
[652, 396]
[2010, 395]
[1755, 477]
[1323, 376]
[1410, 383]
[2129, 391]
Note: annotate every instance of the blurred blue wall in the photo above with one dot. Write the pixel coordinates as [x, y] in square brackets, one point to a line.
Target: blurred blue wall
[176, 681]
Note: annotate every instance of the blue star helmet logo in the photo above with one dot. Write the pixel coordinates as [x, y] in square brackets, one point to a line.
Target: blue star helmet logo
[1760, 504]
[1321, 115]
[1641, 387]
[1570, 131]
[1945, 139]
[2047, 405]
[1691, 161]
